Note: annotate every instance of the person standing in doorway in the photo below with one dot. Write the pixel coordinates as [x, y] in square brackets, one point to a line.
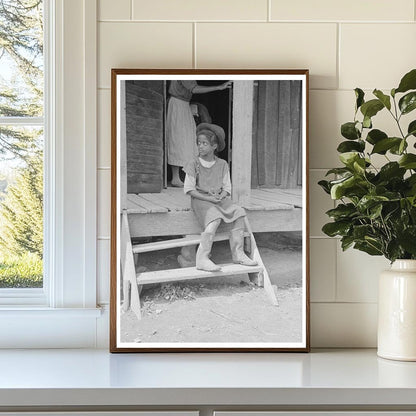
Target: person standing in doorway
[180, 124]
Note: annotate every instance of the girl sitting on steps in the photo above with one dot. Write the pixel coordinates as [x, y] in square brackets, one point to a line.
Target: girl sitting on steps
[208, 183]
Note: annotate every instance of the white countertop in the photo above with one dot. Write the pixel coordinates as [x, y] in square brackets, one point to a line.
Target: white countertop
[96, 377]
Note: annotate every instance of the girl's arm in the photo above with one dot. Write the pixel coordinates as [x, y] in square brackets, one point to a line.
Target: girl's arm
[200, 89]
[204, 197]
[190, 189]
[226, 184]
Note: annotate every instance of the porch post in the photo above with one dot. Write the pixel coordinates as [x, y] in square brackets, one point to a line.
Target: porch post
[123, 147]
[242, 140]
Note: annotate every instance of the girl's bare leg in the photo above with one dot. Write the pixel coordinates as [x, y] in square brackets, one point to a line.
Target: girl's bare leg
[202, 255]
[212, 226]
[176, 180]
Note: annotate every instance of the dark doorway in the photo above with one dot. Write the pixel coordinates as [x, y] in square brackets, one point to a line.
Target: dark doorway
[219, 106]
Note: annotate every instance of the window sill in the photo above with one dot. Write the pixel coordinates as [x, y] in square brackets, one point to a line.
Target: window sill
[330, 379]
[40, 327]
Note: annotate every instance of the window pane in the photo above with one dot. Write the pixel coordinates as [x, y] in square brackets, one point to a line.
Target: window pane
[21, 209]
[21, 146]
[21, 58]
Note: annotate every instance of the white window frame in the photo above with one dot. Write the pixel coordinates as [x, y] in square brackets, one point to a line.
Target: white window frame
[64, 313]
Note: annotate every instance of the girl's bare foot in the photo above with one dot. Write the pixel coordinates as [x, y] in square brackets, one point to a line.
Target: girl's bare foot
[177, 184]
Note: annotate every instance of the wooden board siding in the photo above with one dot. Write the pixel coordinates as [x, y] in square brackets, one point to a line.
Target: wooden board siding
[277, 135]
[144, 131]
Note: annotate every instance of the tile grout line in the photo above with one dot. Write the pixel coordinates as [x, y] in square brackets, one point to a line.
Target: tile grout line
[307, 22]
[336, 271]
[338, 63]
[269, 10]
[131, 9]
[194, 62]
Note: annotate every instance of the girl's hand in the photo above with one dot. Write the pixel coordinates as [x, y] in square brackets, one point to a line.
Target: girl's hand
[225, 85]
[214, 199]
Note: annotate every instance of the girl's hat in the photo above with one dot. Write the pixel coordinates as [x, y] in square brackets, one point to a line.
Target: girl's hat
[217, 130]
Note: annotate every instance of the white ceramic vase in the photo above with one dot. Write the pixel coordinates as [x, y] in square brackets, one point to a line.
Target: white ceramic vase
[397, 312]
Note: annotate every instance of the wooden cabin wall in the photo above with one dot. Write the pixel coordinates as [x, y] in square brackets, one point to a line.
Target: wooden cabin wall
[277, 135]
[144, 132]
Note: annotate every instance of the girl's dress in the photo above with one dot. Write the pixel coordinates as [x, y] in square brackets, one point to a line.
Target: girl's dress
[180, 124]
[211, 179]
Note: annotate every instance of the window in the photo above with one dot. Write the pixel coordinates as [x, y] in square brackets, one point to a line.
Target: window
[63, 313]
[22, 132]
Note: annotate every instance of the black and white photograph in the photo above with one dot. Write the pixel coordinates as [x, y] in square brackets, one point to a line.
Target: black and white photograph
[209, 232]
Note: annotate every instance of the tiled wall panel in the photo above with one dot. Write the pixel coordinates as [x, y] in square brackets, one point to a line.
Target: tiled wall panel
[200, 10]
[341, 10]
[345, 44]
[142, 45]
[272, 46]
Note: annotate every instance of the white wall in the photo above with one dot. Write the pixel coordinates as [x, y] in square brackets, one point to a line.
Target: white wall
[345, 44]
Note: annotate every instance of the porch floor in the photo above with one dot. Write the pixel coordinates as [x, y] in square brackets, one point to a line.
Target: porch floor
[172, 200]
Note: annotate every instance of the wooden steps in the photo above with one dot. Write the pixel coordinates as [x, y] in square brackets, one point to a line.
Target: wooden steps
[133, 282]
[189, 240]
[188, 273]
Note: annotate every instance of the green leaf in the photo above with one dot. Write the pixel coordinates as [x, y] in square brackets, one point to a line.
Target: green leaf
[383, 145]
[408, 102]
[346, 242]
[349, 146]
[369, 201]
[348, 158]
[393, 250]
[368, 248]
[391, 170]
[371, 108]
[408, 82]
[359, 165]
[408, 161]
[342, 211]
[333, 229]
[359, 94]
[407, 240]
[375, 136]
[385, 99]
[367, 122]
[325, 186]
[349, 131]
[338, 171]
[338, 189]
[361, 231]
[375, 212]
[398, 149]
[411, 130]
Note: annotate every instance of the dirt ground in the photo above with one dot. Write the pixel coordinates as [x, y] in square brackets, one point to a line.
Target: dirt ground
[226, 309]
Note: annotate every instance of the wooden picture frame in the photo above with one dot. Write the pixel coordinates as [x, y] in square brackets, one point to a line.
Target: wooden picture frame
[160, 301]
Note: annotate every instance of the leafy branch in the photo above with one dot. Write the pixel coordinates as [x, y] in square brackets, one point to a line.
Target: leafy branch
[376, 210]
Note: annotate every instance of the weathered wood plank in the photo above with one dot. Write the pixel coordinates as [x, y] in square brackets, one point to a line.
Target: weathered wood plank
[284, 134]
[133, 208]
[123, 148]
[189, 273]
[288, 198]
[255, 254]
[254, 146]
[242, 140]
[144, 126]
[189, 240]
[171, 204]
[271, 205]
[149, 206]
[183, 223]
[151, 90]
[177, 196]
[128, 269]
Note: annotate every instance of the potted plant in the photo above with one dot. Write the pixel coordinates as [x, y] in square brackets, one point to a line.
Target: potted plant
[376, 207]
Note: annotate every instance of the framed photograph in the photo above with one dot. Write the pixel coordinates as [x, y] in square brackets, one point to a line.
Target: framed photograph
[209, 211]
